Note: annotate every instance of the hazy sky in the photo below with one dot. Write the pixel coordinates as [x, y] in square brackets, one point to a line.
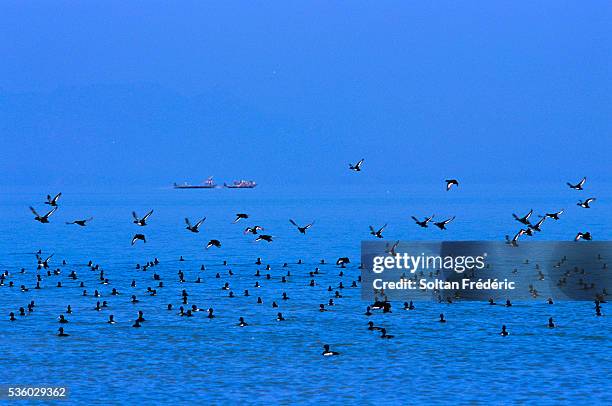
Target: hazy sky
[149, 93]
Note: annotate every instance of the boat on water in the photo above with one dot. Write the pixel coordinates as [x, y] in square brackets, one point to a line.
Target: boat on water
[207, 184]
[241, 184]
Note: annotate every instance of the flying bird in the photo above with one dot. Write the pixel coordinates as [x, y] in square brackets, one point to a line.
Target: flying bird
[586, 203]
[53, 201]
[301, 229]
[577, 186]
[343, 261]
[81, 223]
[194, 228]
[554, 216]
[584, 236]
[442, 224]
[524, 219]
[264, 237]
[213, 243]
[537, 225]
[137, 237]
[514, 241]
[357, 166]
[45, 263]
[141, 221]
[377, 233]
[45, 218]
[391, 250]
[450, 183]
[252, 230]
[424, 222]
[241, 216]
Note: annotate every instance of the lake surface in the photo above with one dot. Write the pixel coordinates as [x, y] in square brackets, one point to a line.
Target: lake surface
[181, 359]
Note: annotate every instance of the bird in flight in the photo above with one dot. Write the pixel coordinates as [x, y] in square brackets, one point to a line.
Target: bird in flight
[252, 230]
[577, 186]
[264, 237]
[537, 225]
[357, 166]
[524, 219]
[53, 201]
[141, 221]
[584, 236]
[45, 263]
[241, 216]
[450, 183]
[213, 243]
[424, 222]
[586, 203]
[137, 237]
[554, 216]
[301, 229]
[45, 218]
[442, 224]
[377, 233]
[391, 250]
[514, 241]
[194, 228]
[81, 223]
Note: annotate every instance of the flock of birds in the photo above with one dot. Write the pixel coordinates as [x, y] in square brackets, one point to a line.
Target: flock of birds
[528, 229]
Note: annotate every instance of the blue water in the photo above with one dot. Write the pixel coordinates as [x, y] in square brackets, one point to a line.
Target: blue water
[182, 360]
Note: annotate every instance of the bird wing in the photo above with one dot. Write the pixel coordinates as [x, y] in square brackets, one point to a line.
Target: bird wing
[528, 214]
[382, 228]
[199, 223]
[293, 222]
[187, 222]
[34, 211]
[135, 216]
[147, 215]
[372, 229]
[309, 225]
[57, 196]
[360, 163]
[416, 220]
[582, 181]
[449, 220]
[51, 212]
[589, 200]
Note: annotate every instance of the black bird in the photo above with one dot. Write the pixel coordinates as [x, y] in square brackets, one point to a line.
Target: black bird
[391, 250]
[242, 323]
[555, 216]
[81, 223]
[343, 260]
[45, 218]
[450, 183]
[327, 352]
[377, 233]
[504, 332]
[524, 219]
[253, 230]
[53, 202]
[577, 186]
[213, 243]
[264, 237]
[585, 236]
[195, 227]
[45, 263]
[537, 225]
[514, 241]
[301, 229]
[141, 221]
[138, 237]
[424, 222]
[383, 334]
[442, 224]
[61, 332]
[357, 166]
[586, 203]
[241, 216]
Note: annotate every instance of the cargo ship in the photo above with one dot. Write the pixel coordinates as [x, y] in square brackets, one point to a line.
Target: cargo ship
[241, 184]
[208, 184]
